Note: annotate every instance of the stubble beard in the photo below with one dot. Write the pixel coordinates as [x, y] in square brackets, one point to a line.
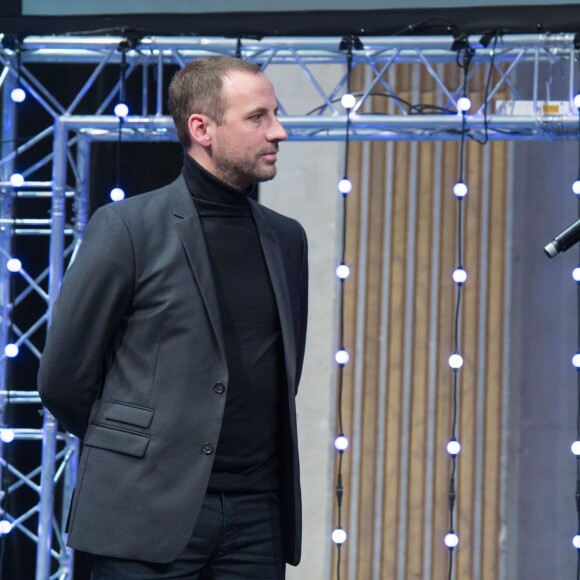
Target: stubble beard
[242, 172]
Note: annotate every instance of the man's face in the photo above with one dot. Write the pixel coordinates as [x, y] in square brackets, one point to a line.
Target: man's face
[244, 146]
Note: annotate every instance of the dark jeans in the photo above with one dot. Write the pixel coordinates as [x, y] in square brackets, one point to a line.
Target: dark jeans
[237, 537]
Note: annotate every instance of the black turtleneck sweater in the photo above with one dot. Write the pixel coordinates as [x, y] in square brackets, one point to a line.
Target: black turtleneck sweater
[246, 457]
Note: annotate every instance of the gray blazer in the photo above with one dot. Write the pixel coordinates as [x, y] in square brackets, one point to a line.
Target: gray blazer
[132, 356]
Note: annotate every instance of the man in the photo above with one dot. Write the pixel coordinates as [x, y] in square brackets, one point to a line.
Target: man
[175, 351]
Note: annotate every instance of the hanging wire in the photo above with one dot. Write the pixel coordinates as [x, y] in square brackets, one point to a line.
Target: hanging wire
[464, 56]
[348, 43]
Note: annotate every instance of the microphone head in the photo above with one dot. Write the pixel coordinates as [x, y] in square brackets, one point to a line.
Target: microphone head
[551, 250]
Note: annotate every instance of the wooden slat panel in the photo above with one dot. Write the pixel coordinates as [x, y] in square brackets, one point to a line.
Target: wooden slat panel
[482, 300]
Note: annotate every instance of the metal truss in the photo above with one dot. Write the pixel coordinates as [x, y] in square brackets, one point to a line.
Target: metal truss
[54, 164]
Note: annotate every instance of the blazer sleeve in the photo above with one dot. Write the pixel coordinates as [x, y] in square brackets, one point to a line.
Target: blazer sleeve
[95, 294]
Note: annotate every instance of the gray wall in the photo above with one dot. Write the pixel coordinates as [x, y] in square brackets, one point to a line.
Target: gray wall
[543, 380]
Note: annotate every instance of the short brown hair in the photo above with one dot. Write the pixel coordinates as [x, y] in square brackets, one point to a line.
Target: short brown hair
[197, 88]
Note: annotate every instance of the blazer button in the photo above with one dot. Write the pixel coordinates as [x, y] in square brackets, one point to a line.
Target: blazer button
[219, 388]
[207, 449]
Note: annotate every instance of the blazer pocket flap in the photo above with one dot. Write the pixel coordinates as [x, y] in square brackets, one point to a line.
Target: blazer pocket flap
[114, 439]
[127, 413]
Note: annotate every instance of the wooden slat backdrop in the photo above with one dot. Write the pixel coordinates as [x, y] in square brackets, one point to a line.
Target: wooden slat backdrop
[399, 301]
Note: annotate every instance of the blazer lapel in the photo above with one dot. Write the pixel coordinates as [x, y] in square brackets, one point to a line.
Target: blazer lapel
[190, 231]
[275, 265]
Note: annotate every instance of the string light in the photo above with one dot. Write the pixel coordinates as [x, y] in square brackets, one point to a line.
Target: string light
[463, 104]
[460, 189]
[14, 265]
[459, 276]
[345, 186]
[341, 443]
[342, 271]
[339, 536]
[5, 527]
[341, 357]
[121, 110]
[453, 447]
[7, 435]
[451, 540]
[11, 350]
[18, 95]
[348, 101]
[17, 180]
[455, 361]
[117, 194]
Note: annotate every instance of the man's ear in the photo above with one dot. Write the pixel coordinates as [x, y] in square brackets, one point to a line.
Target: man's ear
[200, 129]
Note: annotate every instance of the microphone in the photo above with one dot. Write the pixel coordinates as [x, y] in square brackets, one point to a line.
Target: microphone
[565, 240]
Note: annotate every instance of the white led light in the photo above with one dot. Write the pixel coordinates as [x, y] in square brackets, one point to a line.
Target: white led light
[459, 276]
[453, 447]
[460, 189]
[341, 443]
[18, 95]
[344, 186]
[348, 101]
[117, 194]
[339, 536]
[575, 448]
[576, 541]
[342, 357]
[14, 265]
[455, 361]
[576, 360]
[577, 101]
[6, 435]
[576, 187]
[121, 110]
[451, 540]
[5, 527]
[576, 274]
[463, 105]
[16, 179]
[11, 350]
[342, 271]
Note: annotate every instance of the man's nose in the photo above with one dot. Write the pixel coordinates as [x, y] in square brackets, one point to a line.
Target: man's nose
[277, 132]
